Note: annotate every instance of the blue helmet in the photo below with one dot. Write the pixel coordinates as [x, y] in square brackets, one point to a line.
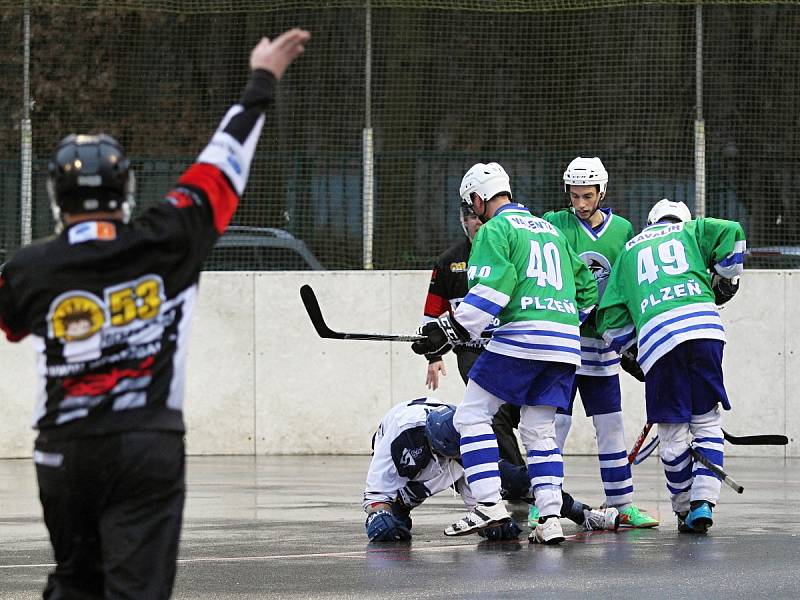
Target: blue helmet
[441, 433]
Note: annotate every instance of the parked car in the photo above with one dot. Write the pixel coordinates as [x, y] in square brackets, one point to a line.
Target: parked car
[260, 249]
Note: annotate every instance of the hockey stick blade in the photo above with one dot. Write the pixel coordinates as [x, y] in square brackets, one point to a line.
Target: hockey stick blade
[315, 314]
[756, 440]
[718, 471]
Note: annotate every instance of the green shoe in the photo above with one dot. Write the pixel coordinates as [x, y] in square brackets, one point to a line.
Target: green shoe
[633, 517]
[533, 516]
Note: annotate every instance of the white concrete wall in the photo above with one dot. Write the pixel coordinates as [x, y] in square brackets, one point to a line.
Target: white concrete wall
[261, 381]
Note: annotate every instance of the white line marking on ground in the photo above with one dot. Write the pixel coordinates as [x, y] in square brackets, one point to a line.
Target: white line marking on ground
[347, 554]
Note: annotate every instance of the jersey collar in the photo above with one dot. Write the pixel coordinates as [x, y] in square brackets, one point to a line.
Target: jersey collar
[596, 233]
[511, 206]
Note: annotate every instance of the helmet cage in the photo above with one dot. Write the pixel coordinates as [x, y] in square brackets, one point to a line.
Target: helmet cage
[464, 212]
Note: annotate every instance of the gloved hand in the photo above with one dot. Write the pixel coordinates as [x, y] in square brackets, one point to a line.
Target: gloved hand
[382, 526]
[724, 289]
[591, 319]
[628, 362]
[506, 531]
[402, 513]
[440, 335]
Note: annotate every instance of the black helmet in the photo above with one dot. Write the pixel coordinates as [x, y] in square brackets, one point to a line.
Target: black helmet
[89, 173]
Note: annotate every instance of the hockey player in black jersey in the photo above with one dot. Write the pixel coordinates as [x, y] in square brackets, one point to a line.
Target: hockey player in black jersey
[108, 303]
[447, 288]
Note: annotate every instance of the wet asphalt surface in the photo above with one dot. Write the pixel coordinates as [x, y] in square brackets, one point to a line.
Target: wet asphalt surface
[292, 527]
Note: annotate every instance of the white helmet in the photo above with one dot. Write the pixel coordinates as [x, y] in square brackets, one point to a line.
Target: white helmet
[586, 171]
[486, 180]
[668, 208]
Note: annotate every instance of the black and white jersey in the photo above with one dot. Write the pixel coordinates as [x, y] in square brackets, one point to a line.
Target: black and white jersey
[447, 288]
[448, 284]
[403, 464]
[109, 304]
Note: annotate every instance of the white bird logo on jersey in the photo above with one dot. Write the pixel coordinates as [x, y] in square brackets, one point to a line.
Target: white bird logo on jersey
[408, 455]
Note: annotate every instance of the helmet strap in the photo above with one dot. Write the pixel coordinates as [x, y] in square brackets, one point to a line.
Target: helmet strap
[482, 215]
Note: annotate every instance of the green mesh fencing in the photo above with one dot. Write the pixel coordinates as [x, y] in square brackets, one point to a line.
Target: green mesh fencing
[441, 85]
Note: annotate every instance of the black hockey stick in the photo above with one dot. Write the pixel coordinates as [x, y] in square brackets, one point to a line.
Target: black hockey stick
[315, 314]
[718, 471]
[756, 440]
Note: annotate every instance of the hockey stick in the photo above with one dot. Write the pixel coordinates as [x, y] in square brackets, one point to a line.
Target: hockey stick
[315, 314]
[746, 440]
[718, 471]
[638, 444]
[756, 440]
[646, 451]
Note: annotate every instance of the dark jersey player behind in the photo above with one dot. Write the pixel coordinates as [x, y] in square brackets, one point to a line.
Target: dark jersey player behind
[108, 303]
[446, 290]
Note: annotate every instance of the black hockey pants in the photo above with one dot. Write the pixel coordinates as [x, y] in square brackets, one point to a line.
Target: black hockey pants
[113, 505]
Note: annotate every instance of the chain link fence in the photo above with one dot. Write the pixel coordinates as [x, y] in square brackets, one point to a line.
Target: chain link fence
[393, 100]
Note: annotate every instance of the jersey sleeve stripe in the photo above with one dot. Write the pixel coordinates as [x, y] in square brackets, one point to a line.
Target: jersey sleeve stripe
[619, 338]
[483, 304]
[221, 196]
[730, 272]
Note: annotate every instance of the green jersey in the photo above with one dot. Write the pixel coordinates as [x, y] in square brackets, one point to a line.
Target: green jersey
[659, 291]
[599, 248]
[526, 281]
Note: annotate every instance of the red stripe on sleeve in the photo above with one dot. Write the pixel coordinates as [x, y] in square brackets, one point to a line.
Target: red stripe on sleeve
[436, 305]
[221, 196]
[10, 335]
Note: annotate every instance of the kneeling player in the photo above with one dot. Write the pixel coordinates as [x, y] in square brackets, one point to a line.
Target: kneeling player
[416, 454]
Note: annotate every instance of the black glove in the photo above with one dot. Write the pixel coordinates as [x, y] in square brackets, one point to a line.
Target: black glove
[591, 319]
[506, 531]
[440, 336]
[724, 289]
[402, 513]
[628, 362]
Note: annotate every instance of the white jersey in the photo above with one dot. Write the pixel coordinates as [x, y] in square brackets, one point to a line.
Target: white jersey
[403, 464]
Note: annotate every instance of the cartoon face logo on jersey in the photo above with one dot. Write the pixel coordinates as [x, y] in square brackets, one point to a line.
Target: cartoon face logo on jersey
[600, 268]
[75, 316]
